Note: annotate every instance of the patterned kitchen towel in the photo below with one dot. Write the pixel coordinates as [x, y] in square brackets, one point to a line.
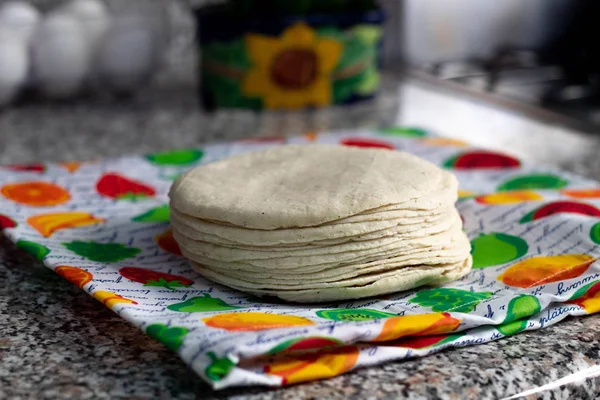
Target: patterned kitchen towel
[104, 226]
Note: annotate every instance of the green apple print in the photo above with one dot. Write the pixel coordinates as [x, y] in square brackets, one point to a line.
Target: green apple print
[496, 248]
[513, 327]
[449, 299]
[157, 214]
[595, 233]
[522, 306]
[519, 308]
[38, 251]
[401, 131]
[539, 181]
[201, 304]
[353, 315]
[101, 252]
[218, 368]
[176, 157]
[171, 337]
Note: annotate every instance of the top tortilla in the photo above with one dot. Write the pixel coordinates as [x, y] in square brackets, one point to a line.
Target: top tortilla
[301, 186]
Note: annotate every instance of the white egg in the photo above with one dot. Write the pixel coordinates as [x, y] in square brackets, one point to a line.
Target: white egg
[94, 16]
[128, 55]
[60, 55]
[14, 66]
[19, 17]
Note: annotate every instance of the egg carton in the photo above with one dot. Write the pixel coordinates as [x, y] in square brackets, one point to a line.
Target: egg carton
[61, 51]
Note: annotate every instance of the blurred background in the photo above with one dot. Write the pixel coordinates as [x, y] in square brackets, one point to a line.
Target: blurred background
[94, 78]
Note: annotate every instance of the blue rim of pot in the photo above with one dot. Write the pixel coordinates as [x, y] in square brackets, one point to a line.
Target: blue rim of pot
[218, 25]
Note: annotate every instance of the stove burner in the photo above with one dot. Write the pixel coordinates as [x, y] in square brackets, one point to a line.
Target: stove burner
[523, 76]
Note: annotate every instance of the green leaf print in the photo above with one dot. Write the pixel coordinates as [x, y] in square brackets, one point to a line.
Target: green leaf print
[158, 214]
[101, 252]
[201, 304]
[176, 157]
[218, 368]
[171, 337]
[401, 131]
[449, 299]
[38, 251]
[353, 314]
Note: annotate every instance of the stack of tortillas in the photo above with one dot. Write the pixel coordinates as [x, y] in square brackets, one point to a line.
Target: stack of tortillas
[319, 223]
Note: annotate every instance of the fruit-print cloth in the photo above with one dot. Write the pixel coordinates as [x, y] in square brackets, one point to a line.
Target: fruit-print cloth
[104, 227]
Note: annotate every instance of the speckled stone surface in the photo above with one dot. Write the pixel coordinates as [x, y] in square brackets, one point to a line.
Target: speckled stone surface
[57, 342]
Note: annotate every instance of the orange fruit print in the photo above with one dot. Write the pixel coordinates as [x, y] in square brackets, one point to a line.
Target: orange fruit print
[320, 365]
[417, 325]
[36, 193]
[70, 166]
[76, 276]
[582, 193]
[538, 271]
[110, 299]
[254, 321]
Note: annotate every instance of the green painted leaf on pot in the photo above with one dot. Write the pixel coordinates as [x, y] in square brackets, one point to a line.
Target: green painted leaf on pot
[232, 54]
[370, 82]
[224, 66]
[226, 92]
[345, 88]
[356, 53]
[369, 34]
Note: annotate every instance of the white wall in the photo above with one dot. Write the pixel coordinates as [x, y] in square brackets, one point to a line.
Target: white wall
[436, 30]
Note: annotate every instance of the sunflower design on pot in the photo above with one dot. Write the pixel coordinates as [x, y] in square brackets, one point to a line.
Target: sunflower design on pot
[292, 71]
